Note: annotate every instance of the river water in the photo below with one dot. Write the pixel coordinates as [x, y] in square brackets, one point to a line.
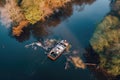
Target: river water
[76, 24]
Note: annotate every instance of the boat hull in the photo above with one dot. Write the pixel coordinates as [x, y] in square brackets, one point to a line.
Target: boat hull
[58, 50]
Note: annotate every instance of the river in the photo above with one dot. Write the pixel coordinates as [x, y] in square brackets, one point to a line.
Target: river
[76, 24]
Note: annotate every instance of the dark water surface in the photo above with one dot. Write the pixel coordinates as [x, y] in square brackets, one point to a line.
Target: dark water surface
[76, 24]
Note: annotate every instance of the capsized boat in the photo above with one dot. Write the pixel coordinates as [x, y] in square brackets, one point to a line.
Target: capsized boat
[58, 50]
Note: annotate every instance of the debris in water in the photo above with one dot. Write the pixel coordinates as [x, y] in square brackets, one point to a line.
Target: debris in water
[67, 65]
[75, 52]
[38, 44]
[71, 56]
[35, 48]
[77, 62]
[46, 45]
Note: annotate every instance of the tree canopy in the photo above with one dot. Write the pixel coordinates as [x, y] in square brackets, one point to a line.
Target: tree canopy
[106, 42]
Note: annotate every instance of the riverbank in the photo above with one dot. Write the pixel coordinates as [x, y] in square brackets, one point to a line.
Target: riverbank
[106, 41]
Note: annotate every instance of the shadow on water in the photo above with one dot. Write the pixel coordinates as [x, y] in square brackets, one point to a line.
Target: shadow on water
[92, 57]
[41, 29]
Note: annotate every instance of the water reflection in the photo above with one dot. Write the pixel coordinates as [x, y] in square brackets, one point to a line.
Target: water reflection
[41, 29]
[115, 8]
[24, 36]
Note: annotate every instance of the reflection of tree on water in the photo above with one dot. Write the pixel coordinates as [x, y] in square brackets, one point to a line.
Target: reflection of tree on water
[40, 29]
[115, 8]
[81, 4]
[58, 17]
[24, 36]
[108, 55]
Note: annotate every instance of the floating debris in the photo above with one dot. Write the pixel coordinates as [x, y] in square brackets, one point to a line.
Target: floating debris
[71, 56]
[76, 61]
[75, 52]
[67, 66]
[34, 45]
[46, 44]
[35, 48]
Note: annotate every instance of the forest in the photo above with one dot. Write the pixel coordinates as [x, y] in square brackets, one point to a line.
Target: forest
[106, 41]
[30, 12]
